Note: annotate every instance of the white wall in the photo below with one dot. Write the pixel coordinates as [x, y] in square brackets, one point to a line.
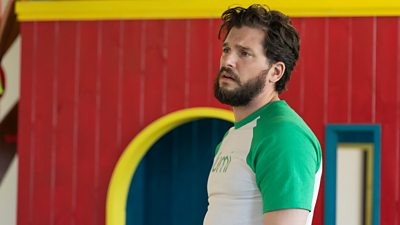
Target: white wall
[8, 187]
[349, 186]
[8, 195]
[11, 66]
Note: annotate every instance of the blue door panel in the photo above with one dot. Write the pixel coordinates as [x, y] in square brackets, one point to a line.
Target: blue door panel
[170, 185]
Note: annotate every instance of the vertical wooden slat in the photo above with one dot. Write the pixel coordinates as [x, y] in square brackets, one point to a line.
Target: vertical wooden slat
[24, 123]
[153, 70]
[86, 210]
[386, 65]
[349, 79]
[76, 124]
[164, 74]
[362, 73]
[99, 215]
[33, 135]
[97, 192]
[130, 81]
[108, 107]
[54, 123]
[120, 86]
[373, 90]
[142, 63]
[398, 118]
[175, 70]
[188, 47]
[198, 65]
[338, 67]
[43, 119]
[64, 212]
[212, 60]
[313, 53]
[313, 45]
[326, 72]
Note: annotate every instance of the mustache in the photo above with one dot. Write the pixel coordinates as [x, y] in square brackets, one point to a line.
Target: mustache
[229, 72]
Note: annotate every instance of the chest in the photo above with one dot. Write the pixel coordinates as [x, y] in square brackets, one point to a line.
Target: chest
[230, 174]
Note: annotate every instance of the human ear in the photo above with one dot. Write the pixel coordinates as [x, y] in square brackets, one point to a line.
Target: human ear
[278, 69]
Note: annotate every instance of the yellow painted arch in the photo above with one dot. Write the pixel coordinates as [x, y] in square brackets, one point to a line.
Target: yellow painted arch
[126, 166]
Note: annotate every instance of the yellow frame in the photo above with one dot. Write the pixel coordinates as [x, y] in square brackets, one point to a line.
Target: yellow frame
[126, 166]
[194, 9]
[369, 149]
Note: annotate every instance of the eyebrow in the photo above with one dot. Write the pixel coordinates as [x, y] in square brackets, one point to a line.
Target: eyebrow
[244, 48]
[239, 47]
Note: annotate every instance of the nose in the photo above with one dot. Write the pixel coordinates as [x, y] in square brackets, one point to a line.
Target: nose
[228, 60]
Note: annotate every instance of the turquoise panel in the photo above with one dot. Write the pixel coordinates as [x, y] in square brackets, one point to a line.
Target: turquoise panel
[170, 184]
[350, 133]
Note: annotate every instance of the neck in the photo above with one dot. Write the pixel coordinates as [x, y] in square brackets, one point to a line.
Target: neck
[241, 112]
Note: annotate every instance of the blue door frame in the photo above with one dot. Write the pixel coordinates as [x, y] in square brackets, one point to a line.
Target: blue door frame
[350, 133]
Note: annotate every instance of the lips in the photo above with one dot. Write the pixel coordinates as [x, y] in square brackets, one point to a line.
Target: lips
[226, 73]
[227, 76]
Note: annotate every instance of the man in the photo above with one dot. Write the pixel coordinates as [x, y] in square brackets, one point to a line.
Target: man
[267, 168]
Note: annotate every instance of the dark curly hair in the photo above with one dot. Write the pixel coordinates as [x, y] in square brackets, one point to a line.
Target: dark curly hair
[281, 41]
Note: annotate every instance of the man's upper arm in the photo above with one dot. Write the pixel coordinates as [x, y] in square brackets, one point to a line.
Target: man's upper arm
[285, 164]
[286, 217]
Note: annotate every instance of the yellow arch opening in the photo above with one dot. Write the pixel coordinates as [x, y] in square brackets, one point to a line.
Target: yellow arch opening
[126, 166]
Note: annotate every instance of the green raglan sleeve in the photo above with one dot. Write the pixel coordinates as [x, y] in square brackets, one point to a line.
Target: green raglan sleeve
[285, 163]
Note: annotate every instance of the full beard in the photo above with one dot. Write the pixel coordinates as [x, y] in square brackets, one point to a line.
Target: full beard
[241, 95]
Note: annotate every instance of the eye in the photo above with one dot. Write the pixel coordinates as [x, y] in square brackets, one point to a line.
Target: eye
[225, 50]
[244, 54]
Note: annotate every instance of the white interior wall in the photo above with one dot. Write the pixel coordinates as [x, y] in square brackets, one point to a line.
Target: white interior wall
[349, 186]
[8, 187]
[11, 66]
[8, 195]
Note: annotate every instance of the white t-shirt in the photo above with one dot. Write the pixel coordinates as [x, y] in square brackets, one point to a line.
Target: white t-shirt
[270, 160]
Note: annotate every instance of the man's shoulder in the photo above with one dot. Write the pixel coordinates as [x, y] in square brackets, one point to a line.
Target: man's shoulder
[282, 123]
[279, 120]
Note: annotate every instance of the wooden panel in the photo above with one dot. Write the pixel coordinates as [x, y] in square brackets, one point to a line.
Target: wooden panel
[87, 88]
[131, 80]
[66, 126]
[397, 137]
[28, 80]
[175, 51]
[108, 75]
[153, 72]
[387, 56]
[362, 70]
[339, 78]
[314, 74]
[314, 52]
[43, 123]
[199, 67]
[214, 49]
[87, 154]
[51, 101]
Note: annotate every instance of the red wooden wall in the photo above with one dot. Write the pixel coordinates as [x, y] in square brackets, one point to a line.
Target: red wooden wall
[87, 88]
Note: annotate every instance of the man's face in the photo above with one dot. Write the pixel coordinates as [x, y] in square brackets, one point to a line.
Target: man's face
[244, 67]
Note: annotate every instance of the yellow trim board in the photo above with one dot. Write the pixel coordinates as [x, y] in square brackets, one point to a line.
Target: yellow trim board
[194, 9]
[126, 166]
[369, 149]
